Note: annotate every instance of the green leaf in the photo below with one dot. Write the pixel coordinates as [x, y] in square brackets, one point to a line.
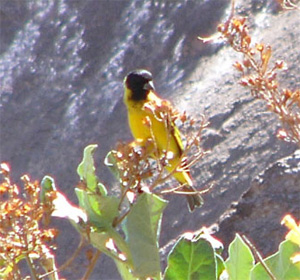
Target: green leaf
[142, 228]
[240, 260]
[125, 271]
[111, 162]
[48, 185]
[101, 210]
[220, 265]
[86, 170]
[191, 259]
[118, 248]
[279, 264]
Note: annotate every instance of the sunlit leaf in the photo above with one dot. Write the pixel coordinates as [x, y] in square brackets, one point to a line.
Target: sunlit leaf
[120, 252]
[192, 258]
[220, 265]
[111, 162]
[240, 260]
[47, 185]
[86, 170]
[64, 209]
[280, 264]
[142, 228]
[101, 210]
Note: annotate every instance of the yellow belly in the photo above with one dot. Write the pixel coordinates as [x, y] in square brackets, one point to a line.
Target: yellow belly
[157, 129]
[165, 139]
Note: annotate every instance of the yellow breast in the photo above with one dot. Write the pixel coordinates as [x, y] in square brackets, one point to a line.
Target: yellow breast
[144, 125]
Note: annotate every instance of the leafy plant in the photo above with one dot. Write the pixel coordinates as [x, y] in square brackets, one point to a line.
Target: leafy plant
[132, 241]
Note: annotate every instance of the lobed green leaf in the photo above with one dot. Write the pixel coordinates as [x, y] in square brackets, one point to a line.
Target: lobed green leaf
[192, 259]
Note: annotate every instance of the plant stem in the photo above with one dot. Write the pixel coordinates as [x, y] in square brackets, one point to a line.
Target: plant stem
[91, 266]
[258, 257]
[31, 267]
[75, 254]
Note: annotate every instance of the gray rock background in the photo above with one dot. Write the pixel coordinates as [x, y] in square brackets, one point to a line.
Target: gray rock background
[61, 69]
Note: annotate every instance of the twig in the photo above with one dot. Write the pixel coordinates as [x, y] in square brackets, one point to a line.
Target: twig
[91, 266]
[258, 257]
[119, 220]
[75, 254]
[28, 259]
[31, 267]
[122, 198]
[173, 190]
[48, 273]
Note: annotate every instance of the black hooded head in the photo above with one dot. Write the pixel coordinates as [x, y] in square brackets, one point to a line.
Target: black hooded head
[140, 82]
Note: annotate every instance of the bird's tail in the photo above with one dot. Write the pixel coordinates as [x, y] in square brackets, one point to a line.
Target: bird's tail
[194, 198]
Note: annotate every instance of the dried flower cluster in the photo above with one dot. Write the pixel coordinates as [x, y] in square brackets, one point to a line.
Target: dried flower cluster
[21, 237]
[133, 164]
[261, 78]
[143, 162]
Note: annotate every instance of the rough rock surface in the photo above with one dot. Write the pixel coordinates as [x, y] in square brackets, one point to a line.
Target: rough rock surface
[273, 194]
[61, 69]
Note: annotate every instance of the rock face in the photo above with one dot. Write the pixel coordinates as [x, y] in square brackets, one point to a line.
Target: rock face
[62, 66]
[273, 194]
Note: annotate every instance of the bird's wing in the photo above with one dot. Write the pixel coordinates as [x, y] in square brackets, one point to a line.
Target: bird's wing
[160, 106]
[177, 138]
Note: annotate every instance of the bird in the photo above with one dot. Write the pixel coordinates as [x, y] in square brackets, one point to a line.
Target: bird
[143, 107]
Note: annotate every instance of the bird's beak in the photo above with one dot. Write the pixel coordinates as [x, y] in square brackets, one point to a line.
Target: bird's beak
[149, 86]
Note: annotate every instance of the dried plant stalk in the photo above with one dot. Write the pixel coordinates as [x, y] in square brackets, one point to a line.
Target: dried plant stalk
[260, 76]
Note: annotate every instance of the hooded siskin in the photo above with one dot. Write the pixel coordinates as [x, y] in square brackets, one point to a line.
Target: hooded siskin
[142, 104]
